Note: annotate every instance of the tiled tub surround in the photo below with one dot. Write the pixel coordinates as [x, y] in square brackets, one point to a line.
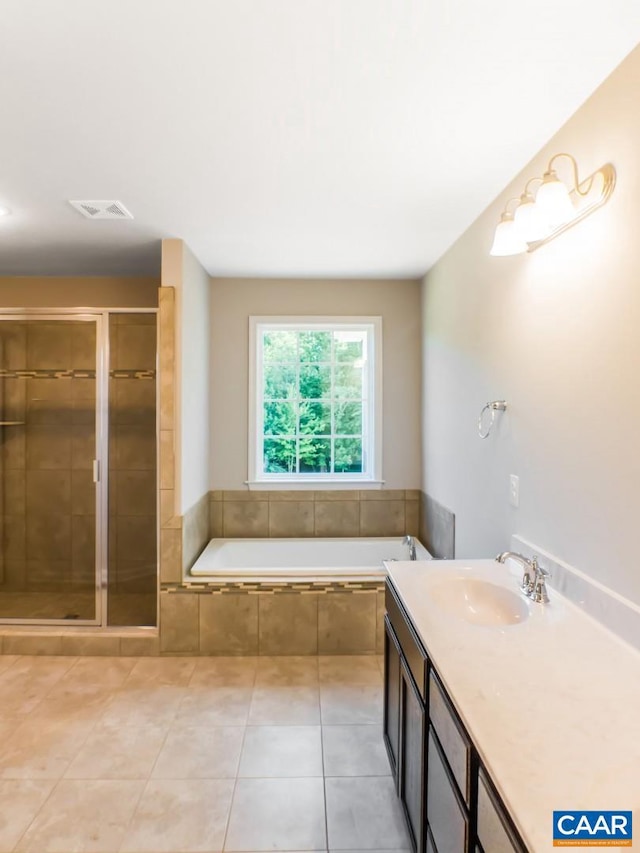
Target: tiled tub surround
[272, 619]
[277, 514]
[305, 614]
[551, 704]
[437, 528]
[182, 755]
[195, 532]
[231, 619]
[385, 512]
[281, 619]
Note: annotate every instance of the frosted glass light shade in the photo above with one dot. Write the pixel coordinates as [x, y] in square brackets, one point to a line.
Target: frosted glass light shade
[553, 201]
[507, 239]
[529, 220]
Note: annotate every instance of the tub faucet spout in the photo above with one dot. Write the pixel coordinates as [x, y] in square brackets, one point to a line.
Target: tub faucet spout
[411, 542]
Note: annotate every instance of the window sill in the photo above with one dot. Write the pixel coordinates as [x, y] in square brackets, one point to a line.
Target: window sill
[312, 485]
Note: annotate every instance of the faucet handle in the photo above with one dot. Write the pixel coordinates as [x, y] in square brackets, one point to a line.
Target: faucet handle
[539, 593]
[540, 572]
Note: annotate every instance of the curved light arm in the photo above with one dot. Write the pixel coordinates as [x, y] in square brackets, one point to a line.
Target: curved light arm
[576, 180]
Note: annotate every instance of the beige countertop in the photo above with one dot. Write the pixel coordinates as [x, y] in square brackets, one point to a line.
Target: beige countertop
[552, 703]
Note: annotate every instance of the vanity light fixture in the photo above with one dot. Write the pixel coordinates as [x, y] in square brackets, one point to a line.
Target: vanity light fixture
[555, 207]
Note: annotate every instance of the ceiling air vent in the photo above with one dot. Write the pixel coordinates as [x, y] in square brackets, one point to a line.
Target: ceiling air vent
[102, 209]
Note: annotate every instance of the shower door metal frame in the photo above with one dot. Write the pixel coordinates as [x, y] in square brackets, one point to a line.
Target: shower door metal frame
[101, 458]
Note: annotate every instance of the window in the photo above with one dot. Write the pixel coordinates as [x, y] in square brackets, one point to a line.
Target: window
[315, 400]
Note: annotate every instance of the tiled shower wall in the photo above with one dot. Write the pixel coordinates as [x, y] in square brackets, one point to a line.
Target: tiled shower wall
[132, 470]
[48, 507]
[47, 494]
[170, 522]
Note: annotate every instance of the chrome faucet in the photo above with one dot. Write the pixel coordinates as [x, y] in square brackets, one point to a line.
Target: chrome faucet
[411, 542]
[533, 579]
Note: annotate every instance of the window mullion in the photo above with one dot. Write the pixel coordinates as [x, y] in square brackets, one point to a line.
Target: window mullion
[332, 406]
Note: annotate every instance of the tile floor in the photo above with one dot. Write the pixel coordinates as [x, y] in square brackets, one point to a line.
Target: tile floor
[174, 755]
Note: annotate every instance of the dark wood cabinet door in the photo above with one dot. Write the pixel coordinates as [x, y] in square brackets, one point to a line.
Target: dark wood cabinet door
[446, 813]
[412, 750]
[391, 697]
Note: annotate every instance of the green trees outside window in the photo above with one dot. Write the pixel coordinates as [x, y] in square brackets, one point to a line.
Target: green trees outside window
[314, 401]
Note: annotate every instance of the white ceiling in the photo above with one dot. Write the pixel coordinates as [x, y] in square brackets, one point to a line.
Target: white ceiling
[280, 137]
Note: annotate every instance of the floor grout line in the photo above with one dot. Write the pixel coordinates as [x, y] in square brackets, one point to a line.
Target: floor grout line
[235, 781]
[42, 805]
[233, 793]
[324, 789]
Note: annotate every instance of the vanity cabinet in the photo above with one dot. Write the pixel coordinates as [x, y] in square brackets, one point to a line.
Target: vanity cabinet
[449, 800]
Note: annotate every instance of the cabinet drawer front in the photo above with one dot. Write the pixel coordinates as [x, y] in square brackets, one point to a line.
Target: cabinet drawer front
[494, 832]
[454, 742]
[409, 643]
[445, 815]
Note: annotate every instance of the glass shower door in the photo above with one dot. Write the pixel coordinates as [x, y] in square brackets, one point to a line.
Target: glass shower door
[49, 436]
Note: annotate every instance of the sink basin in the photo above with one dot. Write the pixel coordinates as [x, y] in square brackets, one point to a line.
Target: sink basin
[479, 602]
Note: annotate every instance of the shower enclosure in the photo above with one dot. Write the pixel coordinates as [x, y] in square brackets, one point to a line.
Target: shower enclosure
[78, 528]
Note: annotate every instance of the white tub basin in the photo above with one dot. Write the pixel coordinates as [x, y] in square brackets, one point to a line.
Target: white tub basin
[310, 559]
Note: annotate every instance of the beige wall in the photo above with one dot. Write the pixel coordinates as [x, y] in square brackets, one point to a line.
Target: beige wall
[181, 270]
[555, 333]
[78, 292]
[234, 300]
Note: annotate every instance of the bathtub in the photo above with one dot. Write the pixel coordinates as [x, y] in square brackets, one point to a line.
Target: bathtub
[303, 559]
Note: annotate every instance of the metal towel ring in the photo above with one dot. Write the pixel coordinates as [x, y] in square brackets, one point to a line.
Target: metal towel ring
[493, 407]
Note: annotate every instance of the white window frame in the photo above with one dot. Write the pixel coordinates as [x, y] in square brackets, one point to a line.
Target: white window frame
[372, 437]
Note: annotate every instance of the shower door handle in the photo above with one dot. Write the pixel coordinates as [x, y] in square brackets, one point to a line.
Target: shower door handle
[96, 470]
